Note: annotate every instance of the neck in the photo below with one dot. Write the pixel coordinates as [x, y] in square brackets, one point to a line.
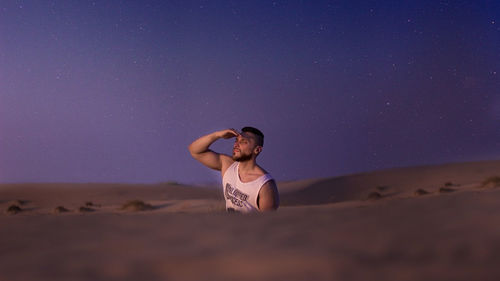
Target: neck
[247, 165]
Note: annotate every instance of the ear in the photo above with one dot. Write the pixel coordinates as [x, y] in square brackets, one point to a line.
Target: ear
[258, 150]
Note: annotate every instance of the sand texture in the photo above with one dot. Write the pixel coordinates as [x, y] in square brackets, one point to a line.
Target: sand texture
[419, 223]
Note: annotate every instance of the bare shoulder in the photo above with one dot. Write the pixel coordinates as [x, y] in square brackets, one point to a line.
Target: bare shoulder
[269, 186]
[260, 171]
[226, 161]
[269, 196]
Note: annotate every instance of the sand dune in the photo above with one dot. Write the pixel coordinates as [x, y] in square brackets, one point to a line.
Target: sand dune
[417, 223]
[400, 182]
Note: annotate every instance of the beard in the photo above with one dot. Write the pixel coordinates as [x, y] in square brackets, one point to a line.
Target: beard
[242, 157]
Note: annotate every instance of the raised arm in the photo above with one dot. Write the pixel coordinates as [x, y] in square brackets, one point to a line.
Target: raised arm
[200, 151]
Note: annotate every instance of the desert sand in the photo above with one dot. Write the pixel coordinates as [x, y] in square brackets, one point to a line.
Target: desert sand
[418, 223]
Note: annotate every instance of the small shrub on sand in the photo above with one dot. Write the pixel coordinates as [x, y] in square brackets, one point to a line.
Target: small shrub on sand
[448, 183]
[491, 182]
[136, 205]
[13, 209]
[382, 187]
[60, 209]
[90, 204]
[19, 202]
[420, 192]
[446, 190]
[85, 209]
[374, 196]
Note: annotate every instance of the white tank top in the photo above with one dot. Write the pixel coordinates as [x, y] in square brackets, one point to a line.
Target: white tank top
[241, 196]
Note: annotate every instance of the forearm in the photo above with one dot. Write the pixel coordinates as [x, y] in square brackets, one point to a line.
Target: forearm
[202, 144]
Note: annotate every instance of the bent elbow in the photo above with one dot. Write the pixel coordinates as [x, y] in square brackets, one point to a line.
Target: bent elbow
[191, 151]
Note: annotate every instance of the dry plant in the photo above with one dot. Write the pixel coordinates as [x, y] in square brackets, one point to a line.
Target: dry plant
[382, 187]
[420, 192]
[90, 204]
[446, 190]
[60, 209]
[13, 209]
[85, 210]
[19, 202]
[491, 182]
[136, 205]
[374, 196]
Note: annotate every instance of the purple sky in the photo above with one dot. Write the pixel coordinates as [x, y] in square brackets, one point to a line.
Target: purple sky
[114, 91]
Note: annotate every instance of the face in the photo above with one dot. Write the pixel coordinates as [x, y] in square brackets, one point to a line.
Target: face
[245, 147]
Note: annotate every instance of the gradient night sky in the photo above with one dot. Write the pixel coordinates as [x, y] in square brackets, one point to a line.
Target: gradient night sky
[114, 91]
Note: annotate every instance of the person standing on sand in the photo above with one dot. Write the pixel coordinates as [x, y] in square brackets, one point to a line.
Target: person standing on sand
[247, 187]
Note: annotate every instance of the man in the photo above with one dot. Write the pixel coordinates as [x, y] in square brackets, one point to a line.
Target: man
[247, 187]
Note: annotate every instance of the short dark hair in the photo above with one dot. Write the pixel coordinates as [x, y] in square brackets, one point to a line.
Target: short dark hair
[257, 132]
